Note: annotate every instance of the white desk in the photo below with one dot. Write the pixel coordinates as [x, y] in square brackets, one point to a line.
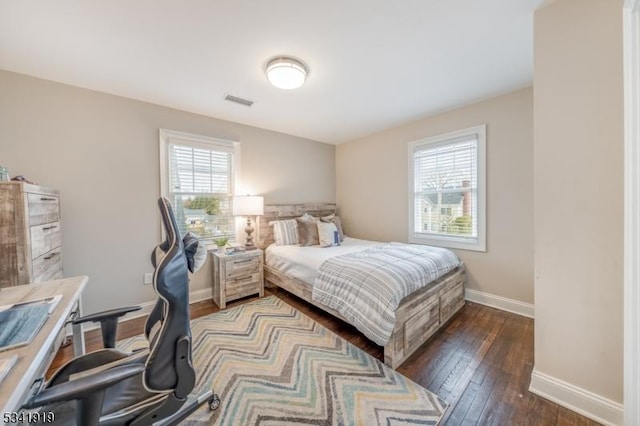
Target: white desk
[34, 359]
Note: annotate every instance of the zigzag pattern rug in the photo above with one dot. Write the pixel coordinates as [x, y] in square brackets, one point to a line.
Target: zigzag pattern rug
[272, 365]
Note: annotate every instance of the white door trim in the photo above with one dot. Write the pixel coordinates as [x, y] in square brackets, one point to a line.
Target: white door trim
[631, 19]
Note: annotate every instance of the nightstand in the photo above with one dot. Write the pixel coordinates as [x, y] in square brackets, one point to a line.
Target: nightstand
[236, 275]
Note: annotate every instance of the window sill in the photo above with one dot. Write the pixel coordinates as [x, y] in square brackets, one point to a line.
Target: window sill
[449, 242]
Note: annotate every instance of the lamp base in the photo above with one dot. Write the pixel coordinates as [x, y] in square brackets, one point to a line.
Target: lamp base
[249, 245]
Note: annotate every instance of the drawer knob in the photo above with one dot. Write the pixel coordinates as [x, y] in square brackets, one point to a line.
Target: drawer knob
[46, 228]
[47, 199]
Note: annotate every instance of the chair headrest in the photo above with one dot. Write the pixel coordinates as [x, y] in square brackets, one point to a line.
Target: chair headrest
[169, 222]
[171, 231]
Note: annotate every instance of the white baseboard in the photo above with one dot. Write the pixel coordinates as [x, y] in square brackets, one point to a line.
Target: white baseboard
[194, 296]
[499, 302]
[589, 404]
[200, 295]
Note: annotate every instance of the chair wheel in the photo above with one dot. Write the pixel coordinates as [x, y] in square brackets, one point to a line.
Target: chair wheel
[214, 402]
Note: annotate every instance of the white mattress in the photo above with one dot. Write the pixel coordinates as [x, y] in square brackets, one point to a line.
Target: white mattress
[303, 262]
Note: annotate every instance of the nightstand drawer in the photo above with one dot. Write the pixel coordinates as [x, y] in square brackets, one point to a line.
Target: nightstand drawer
[243, 279]
[242, 291]
[242, 266]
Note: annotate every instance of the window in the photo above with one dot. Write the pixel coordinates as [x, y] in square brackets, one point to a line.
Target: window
[198, 176]
[447, 190]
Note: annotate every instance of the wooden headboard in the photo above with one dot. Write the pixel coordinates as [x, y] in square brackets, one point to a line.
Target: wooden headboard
[288, 211]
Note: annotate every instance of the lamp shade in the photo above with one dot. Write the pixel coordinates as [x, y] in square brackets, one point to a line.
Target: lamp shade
[248, 205]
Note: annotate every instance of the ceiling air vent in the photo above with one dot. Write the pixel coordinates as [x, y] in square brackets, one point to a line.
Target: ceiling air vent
[241, 101]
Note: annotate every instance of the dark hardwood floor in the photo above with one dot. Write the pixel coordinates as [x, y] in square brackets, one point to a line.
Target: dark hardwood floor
[480, 363]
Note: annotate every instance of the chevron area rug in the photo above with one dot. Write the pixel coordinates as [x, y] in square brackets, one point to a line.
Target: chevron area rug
[272, 365]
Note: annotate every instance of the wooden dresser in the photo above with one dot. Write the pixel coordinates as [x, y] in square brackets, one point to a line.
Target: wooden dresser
[237, 275]
[30, 234]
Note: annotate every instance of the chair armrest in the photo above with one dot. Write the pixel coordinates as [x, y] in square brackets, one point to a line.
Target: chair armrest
[105, 315]
[84, 387]
[108, 323]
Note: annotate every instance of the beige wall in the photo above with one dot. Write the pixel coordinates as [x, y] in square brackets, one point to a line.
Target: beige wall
[578, 170]
[101, 152]
[372, 189]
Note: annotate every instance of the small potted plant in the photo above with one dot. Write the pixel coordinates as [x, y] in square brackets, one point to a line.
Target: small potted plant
[221, 242]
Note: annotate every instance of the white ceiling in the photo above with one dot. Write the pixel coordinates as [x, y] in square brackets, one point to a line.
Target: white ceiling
[374, 64]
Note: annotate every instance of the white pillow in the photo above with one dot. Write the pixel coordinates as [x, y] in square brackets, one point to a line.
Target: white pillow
[285, 232]
[200, 257]
[328, 234]
[335, 219]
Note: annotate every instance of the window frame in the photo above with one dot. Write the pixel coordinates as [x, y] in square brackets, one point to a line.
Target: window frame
[462, 243]
[205, 142]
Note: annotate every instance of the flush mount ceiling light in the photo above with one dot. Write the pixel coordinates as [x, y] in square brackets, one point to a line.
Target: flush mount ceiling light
[286, 73]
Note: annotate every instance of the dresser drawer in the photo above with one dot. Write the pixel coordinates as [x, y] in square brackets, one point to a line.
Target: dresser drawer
[45, 238]
[242, 266]
[48, 266]
[43, 208]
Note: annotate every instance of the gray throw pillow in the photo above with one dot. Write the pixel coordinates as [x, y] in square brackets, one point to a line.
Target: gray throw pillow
[307, 232]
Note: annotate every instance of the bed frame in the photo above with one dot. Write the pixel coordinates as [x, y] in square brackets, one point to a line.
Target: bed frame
[419, 315]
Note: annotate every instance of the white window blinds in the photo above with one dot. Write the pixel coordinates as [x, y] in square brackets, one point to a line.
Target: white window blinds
[200, 179]
[445, 188]
[196, 170]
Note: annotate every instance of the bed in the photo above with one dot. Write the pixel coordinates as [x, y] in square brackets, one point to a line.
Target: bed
[295, 269]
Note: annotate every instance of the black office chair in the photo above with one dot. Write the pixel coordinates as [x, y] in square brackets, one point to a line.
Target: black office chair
[152, 386]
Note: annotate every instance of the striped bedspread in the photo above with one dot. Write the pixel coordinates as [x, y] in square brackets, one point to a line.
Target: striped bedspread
[366, 287]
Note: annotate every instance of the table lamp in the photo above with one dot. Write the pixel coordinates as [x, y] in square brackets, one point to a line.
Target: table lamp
[248, 205]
